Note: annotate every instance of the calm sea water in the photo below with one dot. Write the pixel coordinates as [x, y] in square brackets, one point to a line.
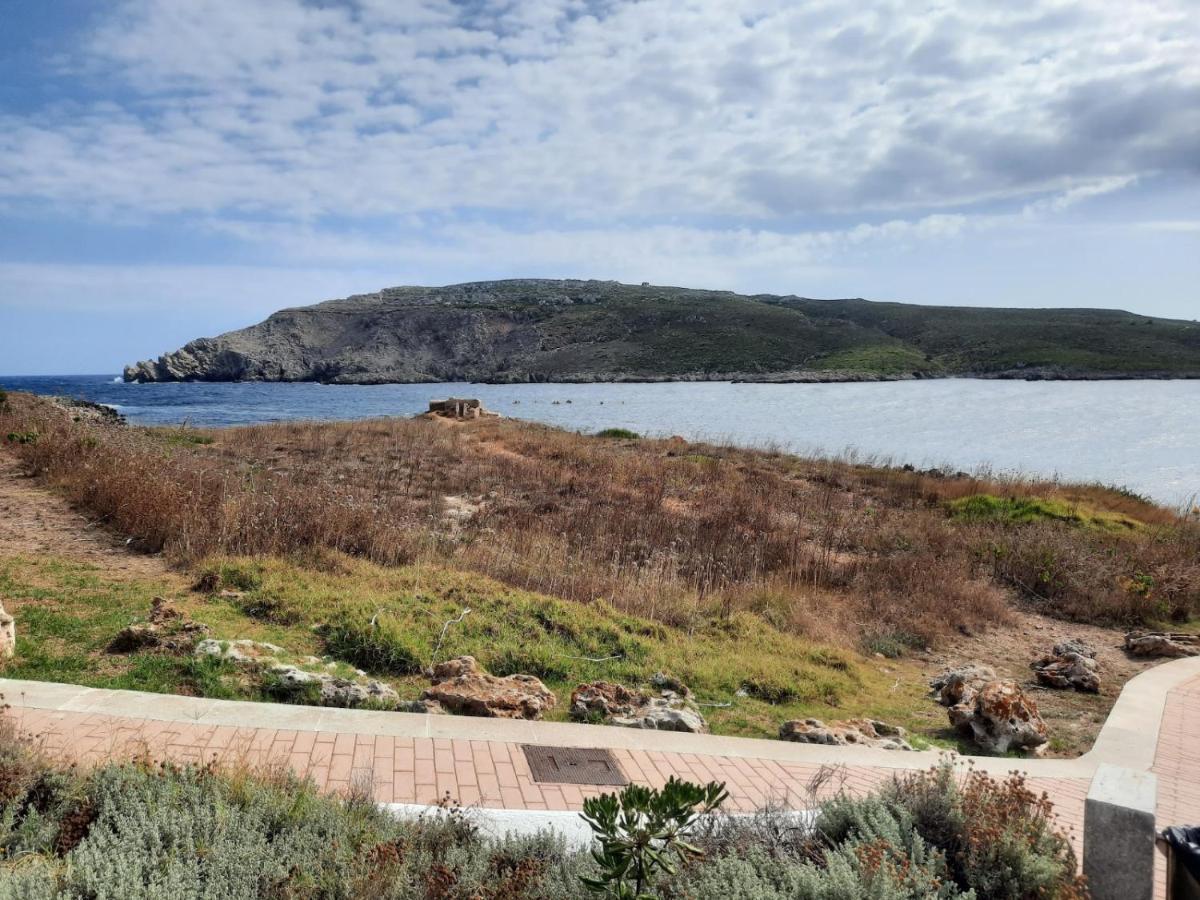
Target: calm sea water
[1144, 435]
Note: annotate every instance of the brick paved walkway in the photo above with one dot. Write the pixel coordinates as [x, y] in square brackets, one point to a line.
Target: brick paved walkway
[406, 758]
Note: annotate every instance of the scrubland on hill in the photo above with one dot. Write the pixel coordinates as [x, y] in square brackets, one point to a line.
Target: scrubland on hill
[772, 584]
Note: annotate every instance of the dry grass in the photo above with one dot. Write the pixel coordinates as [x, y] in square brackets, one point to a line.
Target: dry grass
[669, 530]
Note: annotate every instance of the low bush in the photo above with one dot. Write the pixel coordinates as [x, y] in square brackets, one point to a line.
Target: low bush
[140, 830]
[623, 433]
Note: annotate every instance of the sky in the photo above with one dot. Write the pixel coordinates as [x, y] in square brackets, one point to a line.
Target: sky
[171, 169]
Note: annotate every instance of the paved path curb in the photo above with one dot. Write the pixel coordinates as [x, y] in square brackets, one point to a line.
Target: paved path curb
[418, 759]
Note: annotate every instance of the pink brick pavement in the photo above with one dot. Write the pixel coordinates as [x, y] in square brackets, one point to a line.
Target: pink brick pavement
[495, 774]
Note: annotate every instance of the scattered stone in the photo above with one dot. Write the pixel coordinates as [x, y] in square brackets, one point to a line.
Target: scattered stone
[1162, 643]
[996, 713]
[615, 704]
[954, 686]
[242, 651]
[604, 699]
[166, 629]
[1074, 645]
[1070, 664]
[669, 683]
[428, 707]
[336, 691]
[462, 687]
[860, 732]
[88, 412]
[454, 668]
[1000, 717]
[8, 634]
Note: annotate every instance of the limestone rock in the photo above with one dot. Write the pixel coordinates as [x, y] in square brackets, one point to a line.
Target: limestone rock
[166, 629]
[954, 686]
[455, 668]
[604, 699]
[462, 687]
[1162, 643]
[665, 683]
[861, 732]
[242, 651]
[615, 704]
[79, 410]
[664, 714]
[428, 707]
[8, 634]
[336, 691]
[1070, 664]
[999, 717]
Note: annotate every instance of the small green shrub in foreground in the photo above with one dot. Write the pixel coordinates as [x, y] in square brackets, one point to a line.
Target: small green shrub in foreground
[623, 433]
[643, 833]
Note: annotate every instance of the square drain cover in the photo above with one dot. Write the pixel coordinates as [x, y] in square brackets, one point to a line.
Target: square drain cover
[571, 765]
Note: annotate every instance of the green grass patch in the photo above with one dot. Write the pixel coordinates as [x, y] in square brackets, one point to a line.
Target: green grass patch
[622, 433]
[1026, 510]
[391, 622]
[879, 359]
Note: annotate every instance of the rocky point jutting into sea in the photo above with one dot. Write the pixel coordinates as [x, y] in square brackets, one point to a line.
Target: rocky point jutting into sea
[525, 330]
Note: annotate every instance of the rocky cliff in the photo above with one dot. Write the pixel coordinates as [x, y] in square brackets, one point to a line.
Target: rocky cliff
[548, 330]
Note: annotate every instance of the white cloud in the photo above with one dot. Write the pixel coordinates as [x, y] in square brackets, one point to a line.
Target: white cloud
[755, 110]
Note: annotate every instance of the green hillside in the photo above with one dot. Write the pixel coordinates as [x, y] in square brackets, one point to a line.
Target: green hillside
[543, 330]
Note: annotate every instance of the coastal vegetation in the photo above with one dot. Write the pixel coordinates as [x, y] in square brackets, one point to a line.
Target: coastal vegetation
[136, 829]
[776, 587]
[523, 330]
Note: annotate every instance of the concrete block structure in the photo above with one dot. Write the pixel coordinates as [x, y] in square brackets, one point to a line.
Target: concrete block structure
[1119, 833]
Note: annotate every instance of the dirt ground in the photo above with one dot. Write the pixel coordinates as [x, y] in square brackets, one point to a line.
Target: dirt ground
[34, 520]
[1073, 718]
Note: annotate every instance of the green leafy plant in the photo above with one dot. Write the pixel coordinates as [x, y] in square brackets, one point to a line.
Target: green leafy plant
[642, 832]
[623, 433]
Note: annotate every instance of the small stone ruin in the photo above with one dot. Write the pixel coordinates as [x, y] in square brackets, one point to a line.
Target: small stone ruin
[459, 408]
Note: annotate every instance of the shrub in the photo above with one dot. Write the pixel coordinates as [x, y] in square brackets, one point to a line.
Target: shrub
[643, 834]
[623, 433]
[144, 831]
[999, 837]
[891, 642]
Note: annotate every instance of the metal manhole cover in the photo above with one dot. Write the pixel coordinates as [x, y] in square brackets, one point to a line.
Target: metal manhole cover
[571, 765]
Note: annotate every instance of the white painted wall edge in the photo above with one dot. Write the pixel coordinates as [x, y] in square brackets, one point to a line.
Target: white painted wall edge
[576, 834]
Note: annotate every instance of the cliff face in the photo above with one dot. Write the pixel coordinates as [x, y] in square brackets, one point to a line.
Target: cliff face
[542, 330]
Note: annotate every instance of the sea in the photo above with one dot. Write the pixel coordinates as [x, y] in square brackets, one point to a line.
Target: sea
[1143, 436]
